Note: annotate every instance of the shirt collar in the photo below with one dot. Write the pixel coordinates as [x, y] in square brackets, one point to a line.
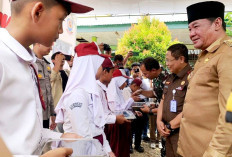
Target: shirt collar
[215, 45]
[185, 70]
[101, 85]
[25, 54]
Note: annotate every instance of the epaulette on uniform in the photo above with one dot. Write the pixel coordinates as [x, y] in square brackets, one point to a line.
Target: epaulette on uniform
[228, 42]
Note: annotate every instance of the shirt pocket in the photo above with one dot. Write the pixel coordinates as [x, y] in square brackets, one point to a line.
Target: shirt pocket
[203, 75]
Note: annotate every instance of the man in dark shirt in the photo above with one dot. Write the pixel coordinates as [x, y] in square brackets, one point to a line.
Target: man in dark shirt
[171, 105]
[153, 71]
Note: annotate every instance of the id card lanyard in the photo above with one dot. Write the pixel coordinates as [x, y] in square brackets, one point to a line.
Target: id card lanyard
[173, 103]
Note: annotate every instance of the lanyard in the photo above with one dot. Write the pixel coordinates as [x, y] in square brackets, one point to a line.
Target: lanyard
[39, 89]
[173, 92]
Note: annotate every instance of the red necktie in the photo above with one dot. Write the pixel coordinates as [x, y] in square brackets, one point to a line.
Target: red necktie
[39, 89]
[106, 99]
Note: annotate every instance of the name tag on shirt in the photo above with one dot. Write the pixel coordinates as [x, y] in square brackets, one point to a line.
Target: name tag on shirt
[173, 106]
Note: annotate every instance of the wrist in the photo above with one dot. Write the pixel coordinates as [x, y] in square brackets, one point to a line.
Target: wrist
[169, 127]
[53, 114]
[150, 111]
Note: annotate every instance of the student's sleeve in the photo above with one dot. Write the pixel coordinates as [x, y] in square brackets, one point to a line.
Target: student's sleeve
[221, 142]
[106, 145]
[110, 118]
[128, 103]
[47, 133]
[115, 106]
[76, 108]
[126, 94]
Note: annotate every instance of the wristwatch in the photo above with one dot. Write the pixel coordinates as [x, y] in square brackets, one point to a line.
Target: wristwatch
[53, 114]
[168, 125]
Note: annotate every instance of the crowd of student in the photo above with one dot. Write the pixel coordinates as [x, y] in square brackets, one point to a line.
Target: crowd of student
[94, 99]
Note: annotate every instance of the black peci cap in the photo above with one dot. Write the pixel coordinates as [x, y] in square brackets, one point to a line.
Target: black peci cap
[207, 9]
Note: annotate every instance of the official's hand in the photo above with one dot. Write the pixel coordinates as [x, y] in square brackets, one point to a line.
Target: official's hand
[111, 154]
[138, 92]
[120, 119]
[59, 152]
[161, 129]
[166, 129]
[138, 113]
[152, 106]
[136, 98]
[145, 109]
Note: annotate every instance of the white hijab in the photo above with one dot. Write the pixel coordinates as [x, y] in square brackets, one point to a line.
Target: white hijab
[83, 76]
[114, 93]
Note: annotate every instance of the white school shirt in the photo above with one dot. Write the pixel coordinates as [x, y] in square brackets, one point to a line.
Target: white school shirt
[21, 117]
[78, 116]
[117, 107]
[127, 92]
[110, 117]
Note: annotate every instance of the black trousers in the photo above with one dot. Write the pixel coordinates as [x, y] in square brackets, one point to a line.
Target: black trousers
[137, 126]
[46, 124]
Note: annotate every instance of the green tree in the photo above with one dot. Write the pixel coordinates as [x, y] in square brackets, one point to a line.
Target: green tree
[228, 20]
[150, 38]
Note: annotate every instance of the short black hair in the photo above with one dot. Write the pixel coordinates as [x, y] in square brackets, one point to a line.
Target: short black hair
[108, 69]
[107, 47]
[18, 5]
[54, 55]
[150, 63]
[178, 50]
[118, 58]
[135, 64]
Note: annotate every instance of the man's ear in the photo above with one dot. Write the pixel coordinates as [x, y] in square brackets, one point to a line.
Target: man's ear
[182, 58]
[104, 71]
[37, 11]
[218, 23]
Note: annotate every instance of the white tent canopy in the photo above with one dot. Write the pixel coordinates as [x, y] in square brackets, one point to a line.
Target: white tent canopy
[131, 7]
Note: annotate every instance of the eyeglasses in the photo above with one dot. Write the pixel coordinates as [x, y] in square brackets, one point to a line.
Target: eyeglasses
[169, 60]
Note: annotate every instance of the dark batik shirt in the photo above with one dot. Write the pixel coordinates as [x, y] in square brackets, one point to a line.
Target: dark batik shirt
[158, 85]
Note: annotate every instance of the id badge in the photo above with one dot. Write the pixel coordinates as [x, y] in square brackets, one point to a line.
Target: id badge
[173, 106]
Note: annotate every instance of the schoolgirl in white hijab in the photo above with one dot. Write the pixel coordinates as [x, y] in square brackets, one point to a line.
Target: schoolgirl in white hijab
[116, 100]
[118, 134]
[80, 107]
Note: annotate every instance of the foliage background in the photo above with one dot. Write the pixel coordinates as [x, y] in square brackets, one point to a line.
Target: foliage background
[149, 37]
[228, 20]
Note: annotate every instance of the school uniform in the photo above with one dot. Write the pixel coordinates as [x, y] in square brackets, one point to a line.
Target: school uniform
[80, 107]
[21, 120]
[118, 135]
[109, 116]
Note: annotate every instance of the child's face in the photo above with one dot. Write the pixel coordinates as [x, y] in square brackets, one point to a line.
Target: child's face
[108, 76]
[134, 87]
[50, 24]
